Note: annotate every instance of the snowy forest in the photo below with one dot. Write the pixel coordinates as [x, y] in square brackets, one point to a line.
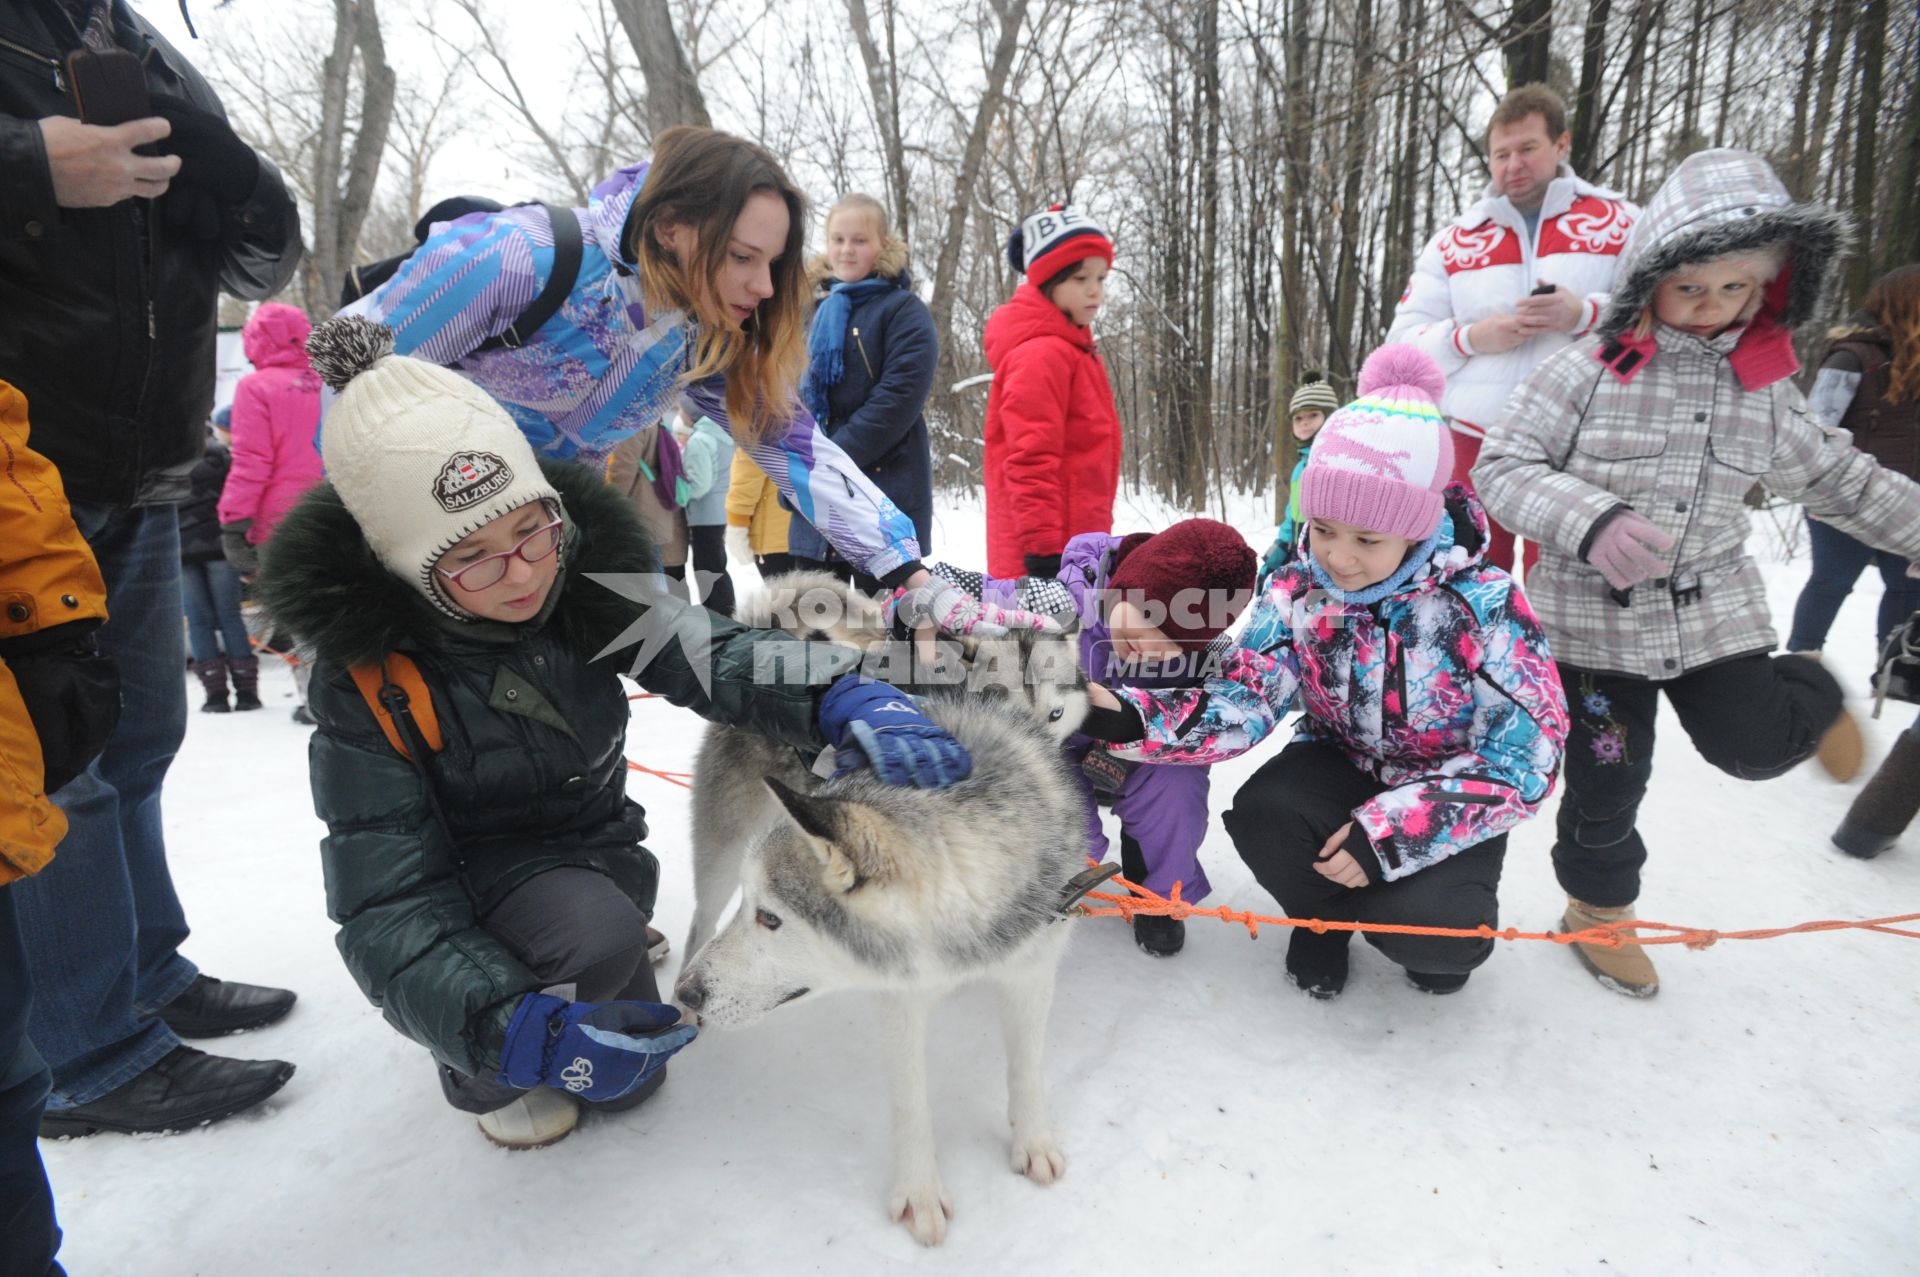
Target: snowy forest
[1269, 168]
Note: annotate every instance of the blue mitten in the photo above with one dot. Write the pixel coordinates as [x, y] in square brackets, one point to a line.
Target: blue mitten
[877, 724]
[597, 1050]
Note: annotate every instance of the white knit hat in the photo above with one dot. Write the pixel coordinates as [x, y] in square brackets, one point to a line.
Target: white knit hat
[420, 456]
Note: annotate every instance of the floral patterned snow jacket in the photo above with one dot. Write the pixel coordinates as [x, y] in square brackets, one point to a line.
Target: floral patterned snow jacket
[1437, 681]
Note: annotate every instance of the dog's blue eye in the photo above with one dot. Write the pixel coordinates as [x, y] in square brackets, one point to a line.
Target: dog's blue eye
[767, 919]
[1058, 710]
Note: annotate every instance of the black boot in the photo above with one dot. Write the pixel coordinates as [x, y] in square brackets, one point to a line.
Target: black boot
[1161, 937]
[209, 1008]
[185, 1088]
[1317, 964]
[1430, 982]
[1884, 809]
[246, 681]
[213, 681]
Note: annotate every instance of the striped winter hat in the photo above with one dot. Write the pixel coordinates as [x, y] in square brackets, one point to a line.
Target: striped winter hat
[1053, 239]
[1383, 461]
[1315, 392]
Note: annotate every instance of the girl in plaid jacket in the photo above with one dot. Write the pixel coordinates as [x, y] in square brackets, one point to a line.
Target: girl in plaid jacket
[1627, 456]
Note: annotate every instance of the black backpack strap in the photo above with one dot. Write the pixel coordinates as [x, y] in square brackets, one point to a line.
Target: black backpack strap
[567, 249]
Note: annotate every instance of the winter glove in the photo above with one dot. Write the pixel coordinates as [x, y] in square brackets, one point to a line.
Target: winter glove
[1627, 549]
[875, 724]
[953, 611]
[213, 159]
[240, 552]
[72, 693]
[739, 547]
[1042, 564]
[598, 1050]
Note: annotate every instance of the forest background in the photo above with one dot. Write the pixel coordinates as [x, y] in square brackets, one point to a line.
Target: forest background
[1268, 169]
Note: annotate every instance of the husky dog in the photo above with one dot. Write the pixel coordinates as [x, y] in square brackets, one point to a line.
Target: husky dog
[853, 883]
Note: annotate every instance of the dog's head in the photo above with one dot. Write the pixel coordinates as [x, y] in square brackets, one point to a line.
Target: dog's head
[810, 918]
[1037, 671]
[816, 606]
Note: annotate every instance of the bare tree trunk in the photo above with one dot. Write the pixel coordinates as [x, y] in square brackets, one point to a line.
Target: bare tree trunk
[883, 85]
[1726, 82]
[340, 206]
[1823, 96]
[673, 91]
[1293, 292]
[1204, 456]
[947, 265]
[1356, 151]
[1528, 42]
[1872, 56]
[1796, 165]
[1902, 240]
[1586, 99]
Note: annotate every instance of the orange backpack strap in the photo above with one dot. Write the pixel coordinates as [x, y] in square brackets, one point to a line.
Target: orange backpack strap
[408, 696]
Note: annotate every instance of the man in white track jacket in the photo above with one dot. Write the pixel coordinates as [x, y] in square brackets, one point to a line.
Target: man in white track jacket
[1522, 272]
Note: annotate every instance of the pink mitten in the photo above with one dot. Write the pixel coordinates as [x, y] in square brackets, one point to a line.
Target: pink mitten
[1627, 550]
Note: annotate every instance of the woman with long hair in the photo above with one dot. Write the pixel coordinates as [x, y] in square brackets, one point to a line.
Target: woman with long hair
[1869, 384]
[690, 286]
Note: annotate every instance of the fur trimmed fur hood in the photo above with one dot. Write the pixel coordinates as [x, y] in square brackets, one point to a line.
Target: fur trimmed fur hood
[1719, 202]
[322, 581]
[890, 264]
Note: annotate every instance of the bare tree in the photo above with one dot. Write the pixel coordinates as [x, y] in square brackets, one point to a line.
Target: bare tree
[673, 92]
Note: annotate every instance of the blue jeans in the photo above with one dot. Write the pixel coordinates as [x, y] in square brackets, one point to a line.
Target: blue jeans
[211, 591]
[102, 923]
[1838, 561]
[28, 1234]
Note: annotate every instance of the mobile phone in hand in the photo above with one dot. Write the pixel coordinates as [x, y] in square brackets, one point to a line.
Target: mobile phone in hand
[1541, 291]
[109, 86]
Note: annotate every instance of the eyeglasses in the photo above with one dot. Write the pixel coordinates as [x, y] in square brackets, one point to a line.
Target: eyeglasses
[482, 573]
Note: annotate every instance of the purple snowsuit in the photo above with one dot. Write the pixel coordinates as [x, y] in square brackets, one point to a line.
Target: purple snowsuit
[1162, 806]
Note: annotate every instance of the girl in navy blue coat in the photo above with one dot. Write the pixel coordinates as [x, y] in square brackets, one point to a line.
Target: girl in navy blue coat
[871, 355]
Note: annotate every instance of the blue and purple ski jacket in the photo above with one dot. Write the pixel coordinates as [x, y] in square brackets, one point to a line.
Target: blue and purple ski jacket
[603, 368]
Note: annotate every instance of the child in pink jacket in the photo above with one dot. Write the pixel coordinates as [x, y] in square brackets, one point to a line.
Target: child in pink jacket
[276, 413]
[276, 410]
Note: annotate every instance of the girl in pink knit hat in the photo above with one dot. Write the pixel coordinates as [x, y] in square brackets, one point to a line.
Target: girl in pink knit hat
[1433, 717]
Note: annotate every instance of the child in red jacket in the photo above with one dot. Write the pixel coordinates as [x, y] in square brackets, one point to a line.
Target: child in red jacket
[1053, 436]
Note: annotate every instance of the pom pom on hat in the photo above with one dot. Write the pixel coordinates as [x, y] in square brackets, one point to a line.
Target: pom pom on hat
[1404, 366]
[1053, 239]
[420, 456]
[343, 348]
[1383, 462]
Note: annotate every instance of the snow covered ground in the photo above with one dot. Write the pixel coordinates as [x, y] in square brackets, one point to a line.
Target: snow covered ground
[1761, 1115]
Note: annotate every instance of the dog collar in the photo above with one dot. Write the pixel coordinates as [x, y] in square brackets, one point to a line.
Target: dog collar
[1079, 885]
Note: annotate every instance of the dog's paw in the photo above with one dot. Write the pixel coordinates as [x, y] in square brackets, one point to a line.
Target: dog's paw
[1039, 1158]
[924, 1208]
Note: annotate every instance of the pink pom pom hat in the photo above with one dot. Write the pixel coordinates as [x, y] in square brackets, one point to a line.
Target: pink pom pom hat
[1383, 461]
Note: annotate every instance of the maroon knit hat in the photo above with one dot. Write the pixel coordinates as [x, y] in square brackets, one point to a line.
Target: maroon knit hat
[1200, 572]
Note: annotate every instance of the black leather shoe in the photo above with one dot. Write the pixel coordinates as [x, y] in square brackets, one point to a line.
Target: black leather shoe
[185, 1088]
[1161, 937]
[210, 1008]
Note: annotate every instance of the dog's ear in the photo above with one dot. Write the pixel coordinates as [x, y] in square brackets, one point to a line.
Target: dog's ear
[846, 836]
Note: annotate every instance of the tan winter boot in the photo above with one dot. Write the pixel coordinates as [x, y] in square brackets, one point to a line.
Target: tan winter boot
[1842, 749]
[1627, 969]
[541, 1117]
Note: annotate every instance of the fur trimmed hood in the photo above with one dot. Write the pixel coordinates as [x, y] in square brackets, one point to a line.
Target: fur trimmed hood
[890, 264]
[322, 581]
[1720, 202]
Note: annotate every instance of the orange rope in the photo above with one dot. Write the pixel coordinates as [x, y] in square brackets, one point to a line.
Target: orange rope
[682, 779]
[1611, 935]
[260, 645]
